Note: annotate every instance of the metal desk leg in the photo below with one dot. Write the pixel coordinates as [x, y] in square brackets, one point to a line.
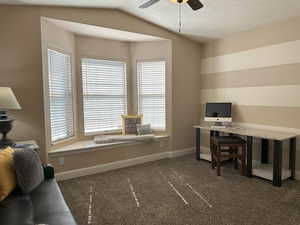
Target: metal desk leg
[211, 134]
[277, 163]
[292, 163]
[249, 156]
[197, 143]
[264, 150]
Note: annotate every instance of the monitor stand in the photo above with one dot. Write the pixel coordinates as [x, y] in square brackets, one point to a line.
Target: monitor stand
[218, 125]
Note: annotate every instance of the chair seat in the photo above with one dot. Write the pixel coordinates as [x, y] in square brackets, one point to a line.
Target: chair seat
[235, 150]
[228, 140]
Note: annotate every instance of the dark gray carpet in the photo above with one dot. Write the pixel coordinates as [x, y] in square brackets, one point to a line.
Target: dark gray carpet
[108, 199]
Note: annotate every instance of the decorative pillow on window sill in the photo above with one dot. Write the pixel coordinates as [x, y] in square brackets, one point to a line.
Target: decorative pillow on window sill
[130, 123]
[143, 129]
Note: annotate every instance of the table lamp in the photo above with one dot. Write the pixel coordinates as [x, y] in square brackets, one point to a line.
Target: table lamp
[8, 101]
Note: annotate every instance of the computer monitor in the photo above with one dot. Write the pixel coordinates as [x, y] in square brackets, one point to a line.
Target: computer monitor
[218, 112]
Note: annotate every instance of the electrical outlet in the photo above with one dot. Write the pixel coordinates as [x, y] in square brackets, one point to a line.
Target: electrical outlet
[61, 161]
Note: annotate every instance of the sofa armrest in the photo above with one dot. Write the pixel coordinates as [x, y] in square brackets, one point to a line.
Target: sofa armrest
[48, 171]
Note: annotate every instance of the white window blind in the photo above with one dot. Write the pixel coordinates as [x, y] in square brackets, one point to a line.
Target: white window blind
[104, 94]
[151, 79]
[60, 96]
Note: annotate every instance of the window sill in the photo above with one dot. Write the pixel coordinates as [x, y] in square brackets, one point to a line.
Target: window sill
[62, 141]
[103, 133]
[90, 145]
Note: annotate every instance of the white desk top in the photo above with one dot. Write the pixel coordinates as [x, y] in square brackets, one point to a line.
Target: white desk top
[259, 133]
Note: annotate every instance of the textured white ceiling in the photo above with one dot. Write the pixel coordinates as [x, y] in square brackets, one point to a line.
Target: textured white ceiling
[217, 19]
[102, 32]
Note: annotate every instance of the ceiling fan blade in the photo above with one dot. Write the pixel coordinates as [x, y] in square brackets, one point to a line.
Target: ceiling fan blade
[195, 4]
[147, 4]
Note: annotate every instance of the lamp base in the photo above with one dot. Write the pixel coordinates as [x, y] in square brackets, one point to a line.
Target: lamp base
[3, 115]
[6, 143]
[5, 127]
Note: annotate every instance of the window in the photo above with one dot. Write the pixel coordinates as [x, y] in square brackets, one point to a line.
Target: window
[151, 79]
[104, 94]
[60, 96]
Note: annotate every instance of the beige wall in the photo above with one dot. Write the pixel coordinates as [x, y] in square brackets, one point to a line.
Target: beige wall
[102, 156]
[275, 33]
[21, 51]
[259, 72]
[21, 69]
[102, 48]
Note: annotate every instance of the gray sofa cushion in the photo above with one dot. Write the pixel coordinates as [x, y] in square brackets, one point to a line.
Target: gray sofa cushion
[44, 205]
[28, 169]
[143, 129]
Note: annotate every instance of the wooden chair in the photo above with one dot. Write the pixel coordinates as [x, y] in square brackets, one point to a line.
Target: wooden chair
[228, 147]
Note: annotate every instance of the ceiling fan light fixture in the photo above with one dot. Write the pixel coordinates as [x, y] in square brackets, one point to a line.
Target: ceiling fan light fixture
[176, 1]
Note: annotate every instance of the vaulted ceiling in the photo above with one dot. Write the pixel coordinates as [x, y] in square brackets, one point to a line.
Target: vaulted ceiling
[217, 19]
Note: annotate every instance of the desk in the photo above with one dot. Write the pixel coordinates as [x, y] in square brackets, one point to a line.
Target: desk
[265, 136]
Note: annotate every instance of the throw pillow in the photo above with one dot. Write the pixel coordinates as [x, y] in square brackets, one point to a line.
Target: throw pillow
[7, 173]
[130, 122]
[29, 169]
[143, 129]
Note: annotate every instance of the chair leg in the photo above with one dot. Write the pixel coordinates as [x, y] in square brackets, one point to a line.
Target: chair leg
[235, 163]
[212, 155]
[218, 161]
[215, 155]
[231, 149]
[235, 159]
[243, 161]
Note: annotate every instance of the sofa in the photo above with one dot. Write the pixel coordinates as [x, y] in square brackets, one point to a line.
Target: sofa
[44, 205]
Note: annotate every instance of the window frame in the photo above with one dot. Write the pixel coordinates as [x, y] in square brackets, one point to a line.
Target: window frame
[121, 60]
[47, 96]
[167, 91]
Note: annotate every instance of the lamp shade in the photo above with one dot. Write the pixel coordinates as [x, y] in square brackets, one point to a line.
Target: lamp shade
[8, 99]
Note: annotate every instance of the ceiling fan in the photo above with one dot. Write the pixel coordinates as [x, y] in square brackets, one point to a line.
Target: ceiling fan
[194, 4]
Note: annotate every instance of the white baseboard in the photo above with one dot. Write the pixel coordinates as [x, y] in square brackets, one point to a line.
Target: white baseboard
[178, 153]
[121, 164]
[131, 162]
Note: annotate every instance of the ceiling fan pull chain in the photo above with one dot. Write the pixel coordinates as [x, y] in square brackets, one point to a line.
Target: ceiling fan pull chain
[179, 17]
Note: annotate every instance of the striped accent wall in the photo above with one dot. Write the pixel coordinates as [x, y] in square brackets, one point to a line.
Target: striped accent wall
[273, 55]
[262, 83]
